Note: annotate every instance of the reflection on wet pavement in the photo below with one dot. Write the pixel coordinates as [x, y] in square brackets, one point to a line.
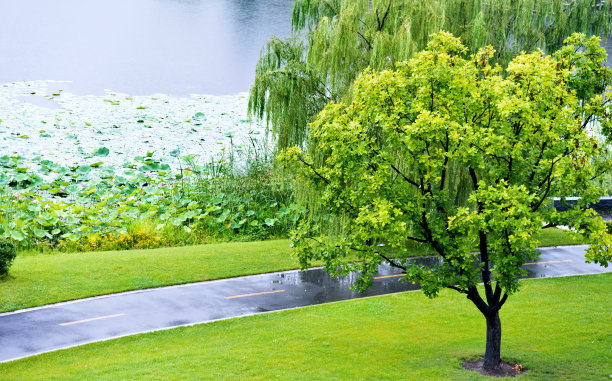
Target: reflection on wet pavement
[324, 288]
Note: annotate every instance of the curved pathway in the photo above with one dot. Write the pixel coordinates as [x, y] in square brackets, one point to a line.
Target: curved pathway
[42, 329]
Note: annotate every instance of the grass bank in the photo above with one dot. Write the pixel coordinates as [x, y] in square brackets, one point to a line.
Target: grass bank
[38, 279]
[559, 329]
[558, 237]
[35, 280]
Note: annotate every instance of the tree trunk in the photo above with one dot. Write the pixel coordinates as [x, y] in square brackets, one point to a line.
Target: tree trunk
[492, 359]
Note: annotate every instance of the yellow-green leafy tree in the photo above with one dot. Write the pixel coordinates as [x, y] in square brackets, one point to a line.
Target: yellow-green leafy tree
[390, 166]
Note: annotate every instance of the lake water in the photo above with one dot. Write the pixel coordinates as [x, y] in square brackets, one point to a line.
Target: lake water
[119, 56]
[129, 75]
[139, 47]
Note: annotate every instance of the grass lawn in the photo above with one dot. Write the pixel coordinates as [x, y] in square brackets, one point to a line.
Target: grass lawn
[35, 280]
[559, 329]
[558, 237]
[40, 279]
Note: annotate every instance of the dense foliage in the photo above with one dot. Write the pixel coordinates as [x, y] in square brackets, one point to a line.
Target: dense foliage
[7, 255]
[450, 151]
[145, 204]
[337, 39]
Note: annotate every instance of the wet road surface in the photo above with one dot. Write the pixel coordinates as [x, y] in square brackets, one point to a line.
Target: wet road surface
[42, 329]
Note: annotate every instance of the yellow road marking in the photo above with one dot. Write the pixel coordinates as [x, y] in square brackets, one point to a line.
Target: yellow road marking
[257, 293]
[537, 263]
[92, 319]
[388, 276]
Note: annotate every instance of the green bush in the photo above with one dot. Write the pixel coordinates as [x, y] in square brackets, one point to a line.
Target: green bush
[7, 255]
[238, 195]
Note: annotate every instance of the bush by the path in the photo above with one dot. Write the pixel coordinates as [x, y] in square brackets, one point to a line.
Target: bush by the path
[7, 255]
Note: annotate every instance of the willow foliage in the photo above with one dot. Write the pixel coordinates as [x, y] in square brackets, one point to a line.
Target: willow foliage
[337, 39]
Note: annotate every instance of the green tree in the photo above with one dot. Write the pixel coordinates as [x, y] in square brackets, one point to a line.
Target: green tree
[390, 163]
[337, 39]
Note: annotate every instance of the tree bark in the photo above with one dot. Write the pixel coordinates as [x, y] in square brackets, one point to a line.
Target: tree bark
[492, 359]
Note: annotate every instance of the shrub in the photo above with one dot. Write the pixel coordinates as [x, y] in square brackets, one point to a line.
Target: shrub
[122, 240]
[7, 255]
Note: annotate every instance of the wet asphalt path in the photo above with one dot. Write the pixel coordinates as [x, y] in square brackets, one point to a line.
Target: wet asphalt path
[28, 332]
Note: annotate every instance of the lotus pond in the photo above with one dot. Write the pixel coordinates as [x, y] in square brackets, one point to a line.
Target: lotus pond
[117, 172]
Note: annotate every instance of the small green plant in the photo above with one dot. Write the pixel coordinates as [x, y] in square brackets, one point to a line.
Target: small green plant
[7, 255]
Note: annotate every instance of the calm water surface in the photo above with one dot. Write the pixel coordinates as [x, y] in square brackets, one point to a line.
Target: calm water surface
[139, 47]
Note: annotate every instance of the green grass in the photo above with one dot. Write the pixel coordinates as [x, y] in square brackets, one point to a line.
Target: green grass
[35, 280]
[558, 237]
[38, 279]
[559, 329]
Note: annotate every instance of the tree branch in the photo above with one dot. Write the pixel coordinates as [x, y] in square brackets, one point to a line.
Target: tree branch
[588, 119]
[391, 262]
[365, 39]
[489, 153]
[537, 163]
[295, 77]
[499, 305]
[497, 292]
[312, 168]
[443, 175]
[474, 296]
[420, 240]
[473, 177]
[396, 169]
[484, 259]
[456, 289]
[548, 179]
[381, 24]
